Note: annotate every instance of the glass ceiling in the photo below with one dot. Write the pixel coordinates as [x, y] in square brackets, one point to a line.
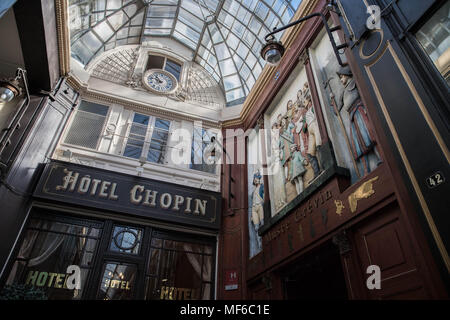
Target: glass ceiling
[225, 36]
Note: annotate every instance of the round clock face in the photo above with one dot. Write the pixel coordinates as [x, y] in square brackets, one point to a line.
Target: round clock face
[159, 81]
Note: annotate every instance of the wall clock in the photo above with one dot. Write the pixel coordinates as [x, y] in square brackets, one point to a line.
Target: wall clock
[159, 81]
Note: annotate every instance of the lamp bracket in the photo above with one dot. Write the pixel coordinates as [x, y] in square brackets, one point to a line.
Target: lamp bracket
[336, 48]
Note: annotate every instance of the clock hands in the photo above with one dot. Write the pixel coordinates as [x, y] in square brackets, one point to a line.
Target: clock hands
[160, 82]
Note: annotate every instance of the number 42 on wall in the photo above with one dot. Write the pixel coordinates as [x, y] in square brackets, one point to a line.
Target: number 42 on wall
[435, 180]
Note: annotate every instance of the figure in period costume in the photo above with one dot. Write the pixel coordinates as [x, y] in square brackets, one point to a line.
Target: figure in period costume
[297, 168]
[290, 110]
[296, 121]
[361, 138]
[308, 130]
[299, 102]
[257, 203]
[286, 139]
[300, 133]
[277, 171]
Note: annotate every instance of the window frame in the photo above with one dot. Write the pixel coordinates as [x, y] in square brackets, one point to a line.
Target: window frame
[165, 63]
[204, 131]
[148, 137]
[72, 119]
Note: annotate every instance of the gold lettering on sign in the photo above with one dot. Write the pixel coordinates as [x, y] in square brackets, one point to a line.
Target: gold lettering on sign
[172, 293]
[273, 234]
[85, 185]
[117, 284]
[339, 206]
[150, 198]
[136, 197]
[364, 191]
[47, 279]
[69, 178]
[200, 204]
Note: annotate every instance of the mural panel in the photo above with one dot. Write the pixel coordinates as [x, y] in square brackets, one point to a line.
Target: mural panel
[297, 154]
[345, 114]
[255, 192]
[295, 140]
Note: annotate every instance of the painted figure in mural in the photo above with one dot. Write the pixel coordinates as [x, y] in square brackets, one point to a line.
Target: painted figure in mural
[361, 138]
[286, 138]
[257, 203]
[277, 169]
[290, 110]
[296, 149]
[299, 102]
[297, 168]
[308, 130]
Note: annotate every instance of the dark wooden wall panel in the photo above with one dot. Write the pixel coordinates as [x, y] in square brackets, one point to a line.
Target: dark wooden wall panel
[382, 240]
[233, 247]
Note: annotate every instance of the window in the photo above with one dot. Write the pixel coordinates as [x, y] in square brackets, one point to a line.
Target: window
[126, 240]
[117, 281]
[49, 247]
[179, 270]
[200, 140]
[138, 263]
[158, 62]
[136, 137]
[158, 143]
[87, 125]
[147, 138]
[434, 37]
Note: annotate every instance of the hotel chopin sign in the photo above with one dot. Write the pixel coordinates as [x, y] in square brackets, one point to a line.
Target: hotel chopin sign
[129, 194]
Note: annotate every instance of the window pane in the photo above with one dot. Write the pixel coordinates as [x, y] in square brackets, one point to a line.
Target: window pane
[48, 249]
[200, 140]
[126, 240]
[434, 37]
[118, 281]
[162, 11]
[174, 68]
[136, 138]
[132, 151]
[158, 143]
[179, 271]
[87, 125]
[155, 62]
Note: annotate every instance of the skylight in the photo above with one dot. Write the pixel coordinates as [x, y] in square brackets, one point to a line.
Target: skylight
[226, 36]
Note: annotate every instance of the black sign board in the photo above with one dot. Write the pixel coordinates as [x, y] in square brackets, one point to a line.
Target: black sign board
[128, 194]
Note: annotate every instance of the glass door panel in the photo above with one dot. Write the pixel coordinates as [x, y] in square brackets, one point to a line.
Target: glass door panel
[118, 281]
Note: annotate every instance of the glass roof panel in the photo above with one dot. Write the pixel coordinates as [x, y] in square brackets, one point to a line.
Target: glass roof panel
[225, 36]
